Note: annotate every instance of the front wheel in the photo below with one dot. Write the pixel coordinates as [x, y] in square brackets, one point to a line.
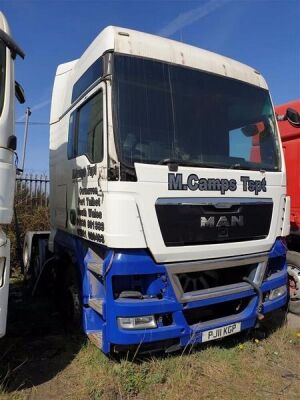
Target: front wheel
[293, 264]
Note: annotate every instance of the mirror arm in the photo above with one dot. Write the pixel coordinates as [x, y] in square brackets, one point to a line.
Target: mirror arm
[12, 45]
[281, 117]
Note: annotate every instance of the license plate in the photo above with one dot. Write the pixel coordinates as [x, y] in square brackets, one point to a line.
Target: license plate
[223, 331]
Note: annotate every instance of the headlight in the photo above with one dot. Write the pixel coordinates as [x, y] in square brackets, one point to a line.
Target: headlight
[277, 292]
[2, 270]
[144, 322]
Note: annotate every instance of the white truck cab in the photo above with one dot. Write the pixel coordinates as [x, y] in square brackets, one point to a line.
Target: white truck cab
[8, 90]
[167, 193]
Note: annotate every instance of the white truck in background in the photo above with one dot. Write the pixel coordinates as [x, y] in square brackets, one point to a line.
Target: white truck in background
[167, 195]
[9, 89]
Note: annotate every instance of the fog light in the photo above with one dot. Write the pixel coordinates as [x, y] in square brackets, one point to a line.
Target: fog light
[2, 270]
[277, 292]
[145, 322]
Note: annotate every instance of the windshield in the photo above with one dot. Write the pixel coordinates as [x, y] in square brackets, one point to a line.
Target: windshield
[169, 113]
[2, 74]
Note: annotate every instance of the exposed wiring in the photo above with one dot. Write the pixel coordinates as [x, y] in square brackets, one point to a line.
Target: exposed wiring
[14, 152]
[17, 159]
[32, 123]
[41, 272]
[4, 244]
[7, 148]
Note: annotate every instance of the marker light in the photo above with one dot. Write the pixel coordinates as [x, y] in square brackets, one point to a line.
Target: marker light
[277, 292]
[2, 270]
[144, 322]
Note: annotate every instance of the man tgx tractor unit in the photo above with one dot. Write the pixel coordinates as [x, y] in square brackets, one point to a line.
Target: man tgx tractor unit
[289, 126]
[8, 90]
[166, 218]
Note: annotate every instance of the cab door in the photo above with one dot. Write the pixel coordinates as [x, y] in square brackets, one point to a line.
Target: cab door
[87, 151]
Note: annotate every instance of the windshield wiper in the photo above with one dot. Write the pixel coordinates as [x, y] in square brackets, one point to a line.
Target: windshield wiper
[167, 161]
[261, 167]
[239, 166]
[177, 163]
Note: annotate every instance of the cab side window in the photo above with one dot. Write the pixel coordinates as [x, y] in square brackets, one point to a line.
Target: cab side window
[86, 130]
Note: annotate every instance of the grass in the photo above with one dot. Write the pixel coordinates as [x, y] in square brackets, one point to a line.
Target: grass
[235, 368]
[38, 360]
[226, 370]
[249, 370]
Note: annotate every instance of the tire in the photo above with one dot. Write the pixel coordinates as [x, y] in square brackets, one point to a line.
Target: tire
[70, 296]
[31, 266]
[293, 263]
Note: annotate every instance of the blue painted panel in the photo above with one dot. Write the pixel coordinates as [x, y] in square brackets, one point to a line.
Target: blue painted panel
[275, 304]
[279, 249]
[92, 321]
[136, 268]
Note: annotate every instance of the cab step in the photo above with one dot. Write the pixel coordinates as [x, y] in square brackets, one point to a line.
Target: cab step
[96, 338]
[96, 304]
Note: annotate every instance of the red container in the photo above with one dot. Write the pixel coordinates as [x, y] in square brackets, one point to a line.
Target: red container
[290, 136]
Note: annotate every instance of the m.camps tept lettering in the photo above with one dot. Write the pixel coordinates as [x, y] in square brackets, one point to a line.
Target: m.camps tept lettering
[194, 182]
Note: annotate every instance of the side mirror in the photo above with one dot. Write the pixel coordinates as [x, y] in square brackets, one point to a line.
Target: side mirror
[293, 116]
[12, 142]
[250, 130]
[257, 128]
[20, 94]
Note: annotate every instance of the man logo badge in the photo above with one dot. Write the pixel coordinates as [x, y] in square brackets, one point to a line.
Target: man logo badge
[222, 221]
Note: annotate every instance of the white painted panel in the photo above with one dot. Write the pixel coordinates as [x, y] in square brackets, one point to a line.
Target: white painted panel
[7, 188]
[61, 206]
[4, 256]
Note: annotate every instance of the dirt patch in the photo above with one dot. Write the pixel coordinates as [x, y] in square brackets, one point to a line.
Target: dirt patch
[293, 322]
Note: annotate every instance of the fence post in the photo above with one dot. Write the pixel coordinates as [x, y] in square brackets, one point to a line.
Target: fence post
[45, 191]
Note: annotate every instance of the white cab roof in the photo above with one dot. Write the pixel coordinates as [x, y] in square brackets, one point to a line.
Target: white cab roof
[127, 41]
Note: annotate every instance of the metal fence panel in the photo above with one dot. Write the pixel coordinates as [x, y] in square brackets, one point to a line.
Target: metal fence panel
[32, 190]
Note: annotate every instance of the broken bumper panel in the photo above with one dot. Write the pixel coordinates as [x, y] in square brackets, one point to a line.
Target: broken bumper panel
[182, 317]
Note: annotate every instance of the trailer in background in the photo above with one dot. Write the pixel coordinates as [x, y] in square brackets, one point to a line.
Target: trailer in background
[288, 116]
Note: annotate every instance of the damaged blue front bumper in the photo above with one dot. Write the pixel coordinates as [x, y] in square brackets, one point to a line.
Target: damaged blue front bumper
[134, 286]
